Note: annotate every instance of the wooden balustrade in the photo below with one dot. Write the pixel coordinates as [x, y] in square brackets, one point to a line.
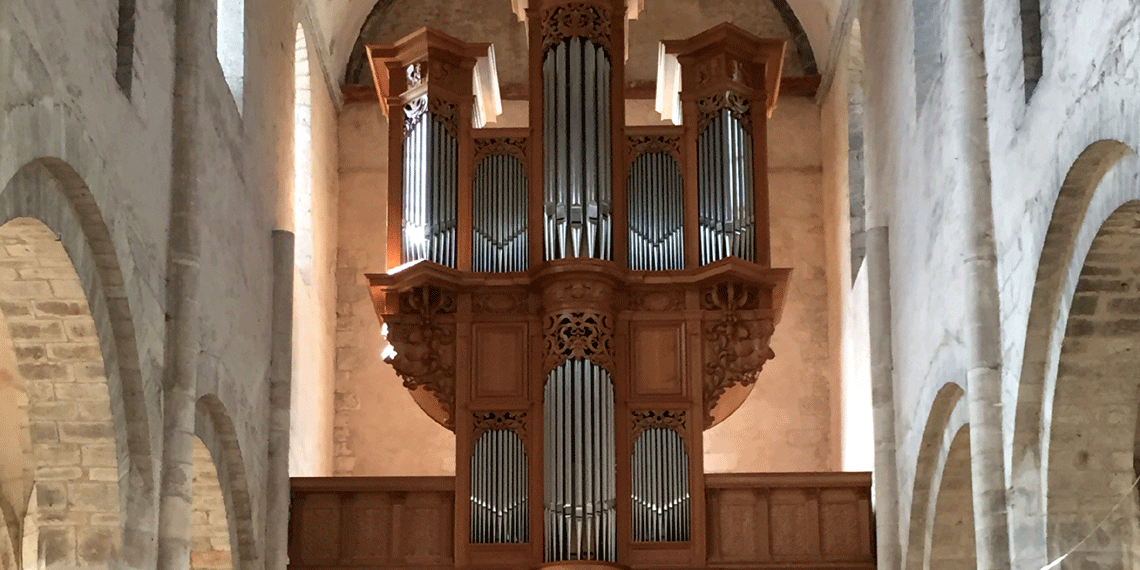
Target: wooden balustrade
[789, 520]
[761, 521]
[372, 522]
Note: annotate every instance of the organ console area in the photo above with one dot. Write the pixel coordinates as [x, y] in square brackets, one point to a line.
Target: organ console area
[578, 301]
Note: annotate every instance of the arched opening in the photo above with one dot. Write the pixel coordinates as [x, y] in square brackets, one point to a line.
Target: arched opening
[59, 456]
[216, 434]
[209, 527]
[947, 417]
[951, 537]
[1090, 499]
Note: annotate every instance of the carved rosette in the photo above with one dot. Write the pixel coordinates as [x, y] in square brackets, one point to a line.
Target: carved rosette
[735, 353]
[652, 419]
[577, 19]
[709, 107]
[580, 334]
[667, 144]
[423, 348]
[514, 146]
[489, 421]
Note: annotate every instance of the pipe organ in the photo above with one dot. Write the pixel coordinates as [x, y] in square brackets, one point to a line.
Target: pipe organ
[579, 300]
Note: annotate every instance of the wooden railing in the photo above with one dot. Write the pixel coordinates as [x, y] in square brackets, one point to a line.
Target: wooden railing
[761, 521]
[373, 522]
[789, 520]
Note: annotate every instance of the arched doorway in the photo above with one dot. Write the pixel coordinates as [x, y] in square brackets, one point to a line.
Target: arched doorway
[952, 544]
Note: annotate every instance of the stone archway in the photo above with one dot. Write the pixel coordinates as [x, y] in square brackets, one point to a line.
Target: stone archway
[1091, 506]
[951, 539]
[65, 446]
[215, 430]
[209, 527]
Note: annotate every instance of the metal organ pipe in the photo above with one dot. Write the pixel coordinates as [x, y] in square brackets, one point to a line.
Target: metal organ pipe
[499, 205]
[431, 174]
[499, 488]
[580, 463]
[725, 194]
[660, 487]
[577, 151]
[656, 228]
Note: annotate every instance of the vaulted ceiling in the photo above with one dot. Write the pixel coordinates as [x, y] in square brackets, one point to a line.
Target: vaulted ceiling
[335, 25]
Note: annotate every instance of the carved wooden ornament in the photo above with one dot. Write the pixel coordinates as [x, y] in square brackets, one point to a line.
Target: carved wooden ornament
[585, 334]
[735, 353]
[574, 20]
[423, 348]
[489, 421]
[653, 419]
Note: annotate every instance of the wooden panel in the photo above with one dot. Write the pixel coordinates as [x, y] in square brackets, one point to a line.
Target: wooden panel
[772, 520]
[657, 358]
[500, 360]
[376, 522]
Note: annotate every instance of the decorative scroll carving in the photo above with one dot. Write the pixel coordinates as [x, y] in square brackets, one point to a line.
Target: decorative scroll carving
[414, 112]
[709, 107]
[514, 146]
[722, 66]
[668, 144]
[423, 350]
[501, 303]
[657, 301]
[585, 334]
[736, 351]
[576, 20]
[650, 419]
[488, 421]
[730, 296]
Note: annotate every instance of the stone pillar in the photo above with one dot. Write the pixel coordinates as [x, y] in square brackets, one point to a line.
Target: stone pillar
[280, 396]
[967, 69]
[193, 29]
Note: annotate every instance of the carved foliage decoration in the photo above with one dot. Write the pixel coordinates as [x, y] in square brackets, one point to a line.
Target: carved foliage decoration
[439, 109]
[709, 107]
[735, 353]
[488, 421]
[650, 419]
[514, 146]
[423, 348]
[576, 19]
[573, 335]
[668, 144]
[730, 296]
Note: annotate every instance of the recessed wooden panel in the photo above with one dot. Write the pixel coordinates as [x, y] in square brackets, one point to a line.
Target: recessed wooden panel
[797, 535]
[319, 531]
[500, 360]
[657, 358]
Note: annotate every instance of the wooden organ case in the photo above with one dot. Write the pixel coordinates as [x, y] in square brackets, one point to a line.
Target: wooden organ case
[577, 300]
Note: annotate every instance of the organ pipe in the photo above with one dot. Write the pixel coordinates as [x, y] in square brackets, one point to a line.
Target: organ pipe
[656, 229]
[577, 158]
[499, 488]
[499, 227]
[580, 470]
[431, 176]
[660, 487]
[726, 209]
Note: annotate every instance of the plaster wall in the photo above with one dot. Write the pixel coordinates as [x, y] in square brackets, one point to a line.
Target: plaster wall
[60, 102]
[785, 425]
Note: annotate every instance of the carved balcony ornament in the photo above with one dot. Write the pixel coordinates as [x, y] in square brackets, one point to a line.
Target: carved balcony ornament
[489, 421]
[654, 419]
[441, 111]
[513, 146]
[736, 351]
[663, 143]
[421, 349]
[709, 107]
[417, 75]
[730, 296]
[577, 19]
[575, 335]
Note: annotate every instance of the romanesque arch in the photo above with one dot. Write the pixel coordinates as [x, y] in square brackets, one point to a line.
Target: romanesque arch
[1090, 502]
[1100, 180]
[947, 420]
[55, 382]
[47, 177]
[215, 430]
[951, 537]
